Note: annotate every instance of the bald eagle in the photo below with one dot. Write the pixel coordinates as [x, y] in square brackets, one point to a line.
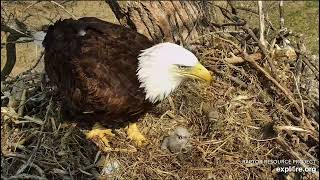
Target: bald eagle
[111, 74]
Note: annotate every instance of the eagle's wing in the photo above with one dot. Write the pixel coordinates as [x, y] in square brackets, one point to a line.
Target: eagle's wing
[94, 65]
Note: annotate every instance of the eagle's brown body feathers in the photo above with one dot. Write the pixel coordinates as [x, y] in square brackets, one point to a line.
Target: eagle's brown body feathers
[94, 65]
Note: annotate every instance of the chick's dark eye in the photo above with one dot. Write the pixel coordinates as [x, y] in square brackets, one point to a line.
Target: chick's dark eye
[180, 137]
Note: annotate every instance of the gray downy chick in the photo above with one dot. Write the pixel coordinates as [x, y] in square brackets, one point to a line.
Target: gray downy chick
[177, 141]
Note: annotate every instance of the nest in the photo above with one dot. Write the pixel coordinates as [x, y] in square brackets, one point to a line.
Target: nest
[261, 108]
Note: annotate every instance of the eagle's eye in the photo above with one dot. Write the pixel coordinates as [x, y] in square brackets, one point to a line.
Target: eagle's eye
[182, 66]
[180, 137]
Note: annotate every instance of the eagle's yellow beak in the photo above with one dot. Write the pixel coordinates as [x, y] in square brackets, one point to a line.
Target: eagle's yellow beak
[198, 72]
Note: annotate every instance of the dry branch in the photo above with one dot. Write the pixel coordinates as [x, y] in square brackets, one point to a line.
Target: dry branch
[232, 78]
[11, 57]
[261, 23]
[283, 89]
[281, 14]
[292, 154]
[24, 176]
[259, 68]
[17, 30]
[264, 51]
[237, 59]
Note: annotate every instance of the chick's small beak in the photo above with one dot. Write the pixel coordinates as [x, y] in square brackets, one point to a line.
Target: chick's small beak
[199, 72]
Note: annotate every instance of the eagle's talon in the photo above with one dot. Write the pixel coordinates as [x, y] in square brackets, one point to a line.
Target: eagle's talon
[101, 137]
[135, 135]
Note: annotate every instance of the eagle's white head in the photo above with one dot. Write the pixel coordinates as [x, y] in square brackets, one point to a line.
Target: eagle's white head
[164, 66]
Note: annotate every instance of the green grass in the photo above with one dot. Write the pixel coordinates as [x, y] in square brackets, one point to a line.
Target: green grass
[300, 17]
[303, 17]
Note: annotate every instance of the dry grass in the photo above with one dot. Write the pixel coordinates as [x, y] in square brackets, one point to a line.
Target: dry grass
[241, 116]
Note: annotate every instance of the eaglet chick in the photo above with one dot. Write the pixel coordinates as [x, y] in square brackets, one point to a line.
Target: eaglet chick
[177, 141]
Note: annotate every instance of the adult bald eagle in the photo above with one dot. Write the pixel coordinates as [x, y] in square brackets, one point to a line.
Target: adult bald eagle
[110, 74]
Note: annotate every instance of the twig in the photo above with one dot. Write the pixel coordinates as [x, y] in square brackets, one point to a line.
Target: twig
[47, 113]
[43, 163]
[281, 14]
[231, 16]
[228, 24]
[311, 61]
[33, 120]
[237, 60]
[242, 71]
[11, 57]
[14, 35]
[24, 176]
[10, 112]
[91, 167]
[230, 42]
[213, 33]
[220, 146]
[309, 155]
[283, 89]
[74, 17]
[39, 170]
[24, 166]
[289, 114]
[13, 30]
[273, 43]
[314, 70]
[34, 3]
[16, 155]
[264, 51]
[255, 13]
[53, 124]
[17, 42]
[258, 67]
[37, 62]
[298, 91]
[247, 9]
[291, 128]
[22, 102]
[261, 24]
[158, 171]
[17, 145]
[301, 102]
[234, 79]
[292, 153]
[298, 66]
[262, 140]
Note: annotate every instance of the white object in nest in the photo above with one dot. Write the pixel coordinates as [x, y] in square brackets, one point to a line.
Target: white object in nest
[177, 141]
[38, 37]
[110, 167]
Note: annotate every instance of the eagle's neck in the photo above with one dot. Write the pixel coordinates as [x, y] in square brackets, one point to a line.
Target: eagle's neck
[155, 75]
